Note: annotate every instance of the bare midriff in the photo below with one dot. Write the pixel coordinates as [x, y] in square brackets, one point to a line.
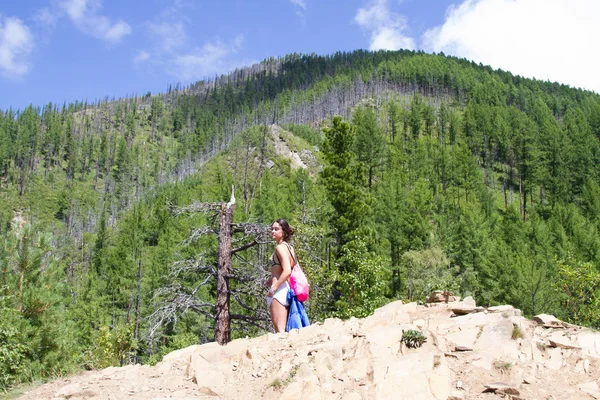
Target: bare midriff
[276, 271]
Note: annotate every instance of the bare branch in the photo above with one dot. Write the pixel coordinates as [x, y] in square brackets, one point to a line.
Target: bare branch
[183, 266]
[197, 234]
[198, 206]
[177, 302]
[241, 302]
[245, 317]
[259, 231]
[244, 247]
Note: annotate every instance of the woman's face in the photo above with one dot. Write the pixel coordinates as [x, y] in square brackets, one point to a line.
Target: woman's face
[276, 232]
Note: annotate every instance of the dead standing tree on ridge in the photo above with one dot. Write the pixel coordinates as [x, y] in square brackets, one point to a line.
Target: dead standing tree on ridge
[249, 282]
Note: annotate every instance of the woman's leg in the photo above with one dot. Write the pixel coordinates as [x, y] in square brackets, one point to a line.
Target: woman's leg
[279, 314]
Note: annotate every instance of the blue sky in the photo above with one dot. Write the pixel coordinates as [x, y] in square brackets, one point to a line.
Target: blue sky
[68, 50]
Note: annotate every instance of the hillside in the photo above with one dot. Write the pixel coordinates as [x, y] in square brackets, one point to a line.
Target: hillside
[423, 172]
[470, 353]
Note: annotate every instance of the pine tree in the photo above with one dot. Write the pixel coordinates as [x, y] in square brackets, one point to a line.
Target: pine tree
[344, 179]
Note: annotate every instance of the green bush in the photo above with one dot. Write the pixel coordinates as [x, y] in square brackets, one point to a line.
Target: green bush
[13, 355]
[413, 339]
[363, 286]
[112, 347]
[578, 290]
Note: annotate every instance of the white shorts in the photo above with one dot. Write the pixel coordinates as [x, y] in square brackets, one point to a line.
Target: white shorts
[280, 295]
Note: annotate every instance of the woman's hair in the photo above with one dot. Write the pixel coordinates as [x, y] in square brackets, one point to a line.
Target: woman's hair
[288, 231]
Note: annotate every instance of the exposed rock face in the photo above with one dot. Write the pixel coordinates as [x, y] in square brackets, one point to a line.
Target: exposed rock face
[282, 148]
[490, 354]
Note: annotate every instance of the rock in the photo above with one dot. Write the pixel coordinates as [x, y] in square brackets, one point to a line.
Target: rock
[469, 302]
[75, 391]
[486, 362]
[590, 388]
[395, 312]
[364, 359]
[463, 338]
[406, 377]
[464, 310]
[589, 341]
[308, 158]
[502, 388]
[439, 384]
[463, 348]
[563, 343]
[528, 379]
[556, 359]
[510, 310]
[440, 296]
[206, 376]
[548, 321]
[456, 395]
[510, 391]
[586, 366]
[497, 335]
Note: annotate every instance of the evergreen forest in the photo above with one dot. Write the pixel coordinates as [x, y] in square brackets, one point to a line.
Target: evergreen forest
[427, 172]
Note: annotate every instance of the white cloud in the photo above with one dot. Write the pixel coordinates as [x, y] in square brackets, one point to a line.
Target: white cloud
[547, 39]
[141, 57]
[46, 17]
[386, 28]
[16, 43]
[299, 3]
[179, 54]
[168, 36]
[84, 14]
[212, 58]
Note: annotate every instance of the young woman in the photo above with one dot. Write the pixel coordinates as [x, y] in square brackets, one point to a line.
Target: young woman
[282, 261]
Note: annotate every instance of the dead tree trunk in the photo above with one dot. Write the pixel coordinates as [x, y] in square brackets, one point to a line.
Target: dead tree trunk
[246, 293]
[222, 317]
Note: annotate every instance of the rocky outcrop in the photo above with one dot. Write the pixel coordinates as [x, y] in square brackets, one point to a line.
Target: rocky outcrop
[282, 148]
[493, 353]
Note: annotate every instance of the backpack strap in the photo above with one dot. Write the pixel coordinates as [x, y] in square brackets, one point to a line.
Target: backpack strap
[291, 254]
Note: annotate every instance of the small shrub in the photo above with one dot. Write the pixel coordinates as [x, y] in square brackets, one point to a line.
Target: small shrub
[413, 339]
[517, 333]
[480, 331]
[276, 384]
[502, 366]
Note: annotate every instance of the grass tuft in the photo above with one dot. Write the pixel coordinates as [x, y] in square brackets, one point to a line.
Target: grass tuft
[517, 333]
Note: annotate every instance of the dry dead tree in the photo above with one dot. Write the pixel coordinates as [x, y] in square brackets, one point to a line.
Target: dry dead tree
[247, 291]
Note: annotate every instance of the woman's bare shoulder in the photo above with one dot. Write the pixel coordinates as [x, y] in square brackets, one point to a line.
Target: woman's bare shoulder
[281, 247]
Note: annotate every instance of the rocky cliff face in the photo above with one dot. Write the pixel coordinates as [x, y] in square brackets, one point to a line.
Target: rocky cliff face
[470, 353]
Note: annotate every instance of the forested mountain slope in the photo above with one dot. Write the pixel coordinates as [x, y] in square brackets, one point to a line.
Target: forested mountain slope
[440, 174]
